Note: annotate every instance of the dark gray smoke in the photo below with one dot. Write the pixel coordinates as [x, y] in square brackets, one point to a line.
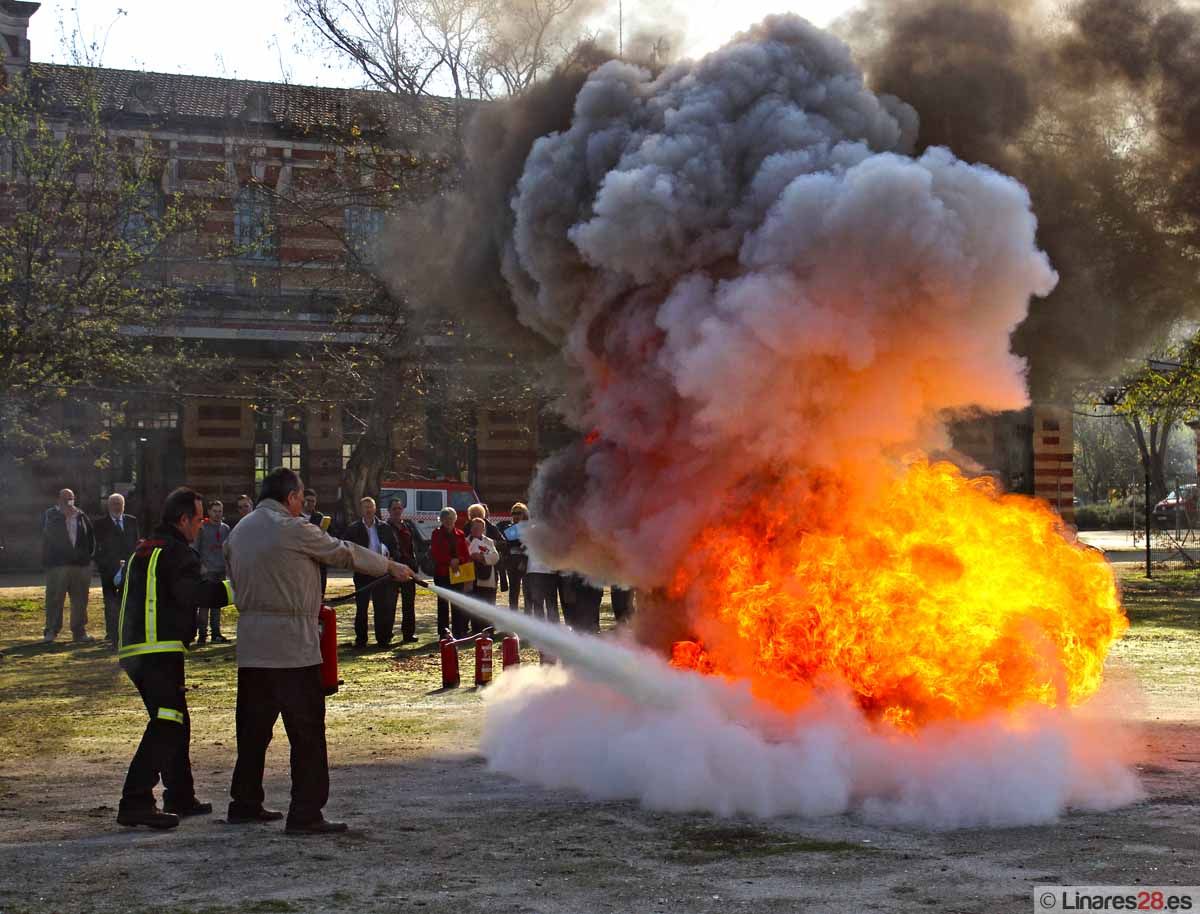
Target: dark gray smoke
[1095, 107]
[745, 276]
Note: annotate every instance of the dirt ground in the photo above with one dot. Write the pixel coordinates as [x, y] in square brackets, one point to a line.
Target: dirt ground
[433, 830]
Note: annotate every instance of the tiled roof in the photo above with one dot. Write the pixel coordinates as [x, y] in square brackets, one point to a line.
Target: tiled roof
[178, 95]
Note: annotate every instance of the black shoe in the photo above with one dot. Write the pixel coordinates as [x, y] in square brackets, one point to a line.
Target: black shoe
[200, 642]
[412, 639]
[219, 639]
[318, 827]
[360, 645]
[263, 815]
[151, 818]
[194, 808]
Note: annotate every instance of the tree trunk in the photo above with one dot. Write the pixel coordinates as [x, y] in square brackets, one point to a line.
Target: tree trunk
[1151, 442]
[371, 458]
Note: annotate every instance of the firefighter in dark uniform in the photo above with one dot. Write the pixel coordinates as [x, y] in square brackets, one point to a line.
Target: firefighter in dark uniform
[163, 588]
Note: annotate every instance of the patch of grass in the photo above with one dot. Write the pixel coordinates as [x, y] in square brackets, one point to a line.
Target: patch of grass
[65, 699]
[712, 842]
[1162, 646]
[1171, 599]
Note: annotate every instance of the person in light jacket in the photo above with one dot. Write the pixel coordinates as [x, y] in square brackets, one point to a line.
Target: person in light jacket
[485, 555]
[273, 558]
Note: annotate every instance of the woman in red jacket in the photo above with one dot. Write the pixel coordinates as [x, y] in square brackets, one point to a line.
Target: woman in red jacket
[448, 547]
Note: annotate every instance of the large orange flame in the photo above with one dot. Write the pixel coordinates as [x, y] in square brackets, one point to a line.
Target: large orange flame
[941, 599]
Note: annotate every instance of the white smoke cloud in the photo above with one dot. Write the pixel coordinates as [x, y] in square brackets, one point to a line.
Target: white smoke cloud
[743, 267]
[715, 750]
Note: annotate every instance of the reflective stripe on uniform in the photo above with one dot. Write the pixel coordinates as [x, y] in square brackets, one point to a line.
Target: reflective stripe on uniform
[124, 597]
[152, 598]
[159, 647]
[170, 714]
[228, 591]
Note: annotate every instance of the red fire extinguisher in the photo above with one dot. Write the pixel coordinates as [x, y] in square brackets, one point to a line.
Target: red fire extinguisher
[327, 628]
[510, 651]
[449, 662]
[483, 660]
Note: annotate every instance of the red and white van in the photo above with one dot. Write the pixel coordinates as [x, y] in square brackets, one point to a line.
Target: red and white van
[423, 499]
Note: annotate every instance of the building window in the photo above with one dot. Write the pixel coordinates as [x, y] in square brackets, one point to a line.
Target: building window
[347, 453]
[364, 225]
[142, 214]
[262, 461]
[156, 418]
[254, 224]
[291, 456]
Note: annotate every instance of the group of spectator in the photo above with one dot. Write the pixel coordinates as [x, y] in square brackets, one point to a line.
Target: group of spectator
[502, 563]
[73, 542]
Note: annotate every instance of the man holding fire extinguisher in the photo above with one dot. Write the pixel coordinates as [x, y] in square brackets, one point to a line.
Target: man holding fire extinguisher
[274, 557]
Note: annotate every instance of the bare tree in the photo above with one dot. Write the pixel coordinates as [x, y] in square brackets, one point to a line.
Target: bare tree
[468, 49]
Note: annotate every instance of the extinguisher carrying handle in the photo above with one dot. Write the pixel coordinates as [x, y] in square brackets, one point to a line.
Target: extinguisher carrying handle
[469, 638]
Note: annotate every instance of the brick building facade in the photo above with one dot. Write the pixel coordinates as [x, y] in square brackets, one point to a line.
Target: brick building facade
[239, 146]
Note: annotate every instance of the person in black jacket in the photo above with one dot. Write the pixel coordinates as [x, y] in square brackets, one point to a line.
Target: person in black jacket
[406, 554]
[323, 521]
[68, 543]
[373, 534]
[163, 587]
[117, 534]
[513, 555]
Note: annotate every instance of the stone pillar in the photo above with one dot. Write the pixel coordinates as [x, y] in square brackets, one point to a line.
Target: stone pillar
[14, 34]
[1053, 458]
[218, 442]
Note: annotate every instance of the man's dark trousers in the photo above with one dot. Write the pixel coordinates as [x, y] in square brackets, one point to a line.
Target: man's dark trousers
[262, 696]
[585, 611]
[622, 603]
[383, 595]
[163, 751]
[112, 605]
[408, 611]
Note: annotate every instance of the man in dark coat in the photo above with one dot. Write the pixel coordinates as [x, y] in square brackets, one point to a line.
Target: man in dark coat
[117, 534]
[68, 544]
[324, 521]
[163, 587]
[244, 506]
[372, 534]
[406, 555]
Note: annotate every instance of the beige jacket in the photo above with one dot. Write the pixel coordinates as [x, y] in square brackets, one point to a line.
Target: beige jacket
[273, 560]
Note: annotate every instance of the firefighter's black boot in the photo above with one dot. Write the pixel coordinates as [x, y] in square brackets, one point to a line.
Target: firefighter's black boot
[151, 818]
[194, 808]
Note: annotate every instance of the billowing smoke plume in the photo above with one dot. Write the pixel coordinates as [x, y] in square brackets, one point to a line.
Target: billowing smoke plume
[762, 299]
[1095, 107]
[743, 270]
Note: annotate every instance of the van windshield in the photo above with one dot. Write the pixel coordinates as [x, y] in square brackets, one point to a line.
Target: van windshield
[460, 500]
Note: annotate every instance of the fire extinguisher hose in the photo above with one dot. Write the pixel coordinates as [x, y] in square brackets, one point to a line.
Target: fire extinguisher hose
[339, 601]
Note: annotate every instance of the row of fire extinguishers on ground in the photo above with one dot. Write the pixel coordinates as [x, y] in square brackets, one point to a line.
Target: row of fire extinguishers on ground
[510, 654]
